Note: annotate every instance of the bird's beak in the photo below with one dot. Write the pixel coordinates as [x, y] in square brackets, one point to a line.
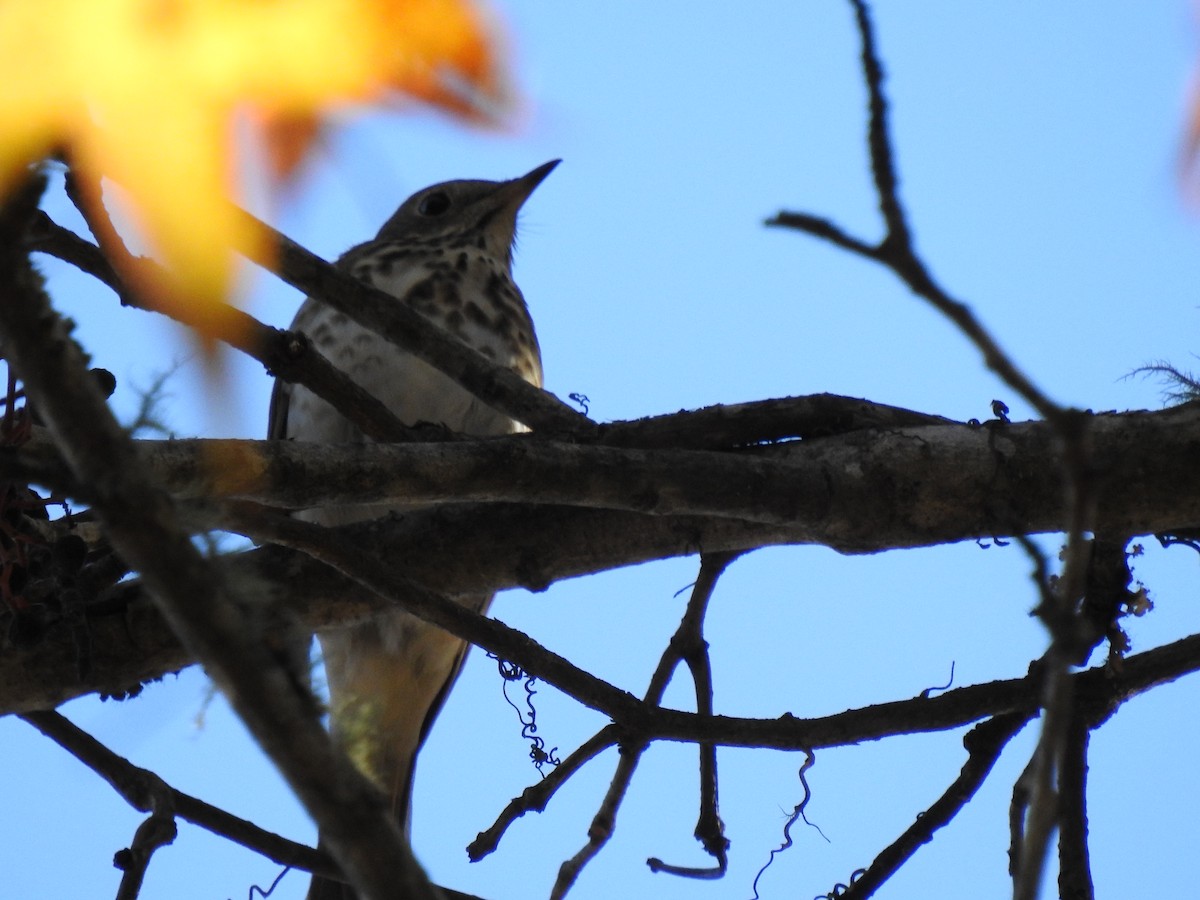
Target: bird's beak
[517, 191]
[506, 201]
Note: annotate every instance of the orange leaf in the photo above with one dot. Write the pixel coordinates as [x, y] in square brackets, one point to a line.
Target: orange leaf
[146, 92]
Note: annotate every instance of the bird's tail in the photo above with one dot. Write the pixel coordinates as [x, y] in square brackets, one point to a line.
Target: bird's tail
[388, 679]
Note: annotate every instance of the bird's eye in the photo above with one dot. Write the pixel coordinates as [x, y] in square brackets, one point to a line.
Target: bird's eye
[434, 205]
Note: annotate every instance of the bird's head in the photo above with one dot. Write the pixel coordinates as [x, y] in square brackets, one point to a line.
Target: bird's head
[479, 211]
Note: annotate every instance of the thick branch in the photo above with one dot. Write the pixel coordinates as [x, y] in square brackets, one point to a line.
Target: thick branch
[29, 680]
[130, 643]
[1074, 861]
[896, 489]
[860, 492]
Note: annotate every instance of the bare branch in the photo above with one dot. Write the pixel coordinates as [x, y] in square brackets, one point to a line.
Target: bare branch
[895, 250]
[499, 387]
[856, 493]
[131, 644]
[145, 791]
[605, 820]
[135, 786]
[289, 355]
[380, 575]
[879, 141]
[689, 646]
[686, 643]
[984, 744]
[157, 830]
[1074, 866]
[536, 797]
[738, 425]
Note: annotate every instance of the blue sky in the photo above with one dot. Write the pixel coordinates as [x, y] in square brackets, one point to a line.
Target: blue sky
[1037, 147]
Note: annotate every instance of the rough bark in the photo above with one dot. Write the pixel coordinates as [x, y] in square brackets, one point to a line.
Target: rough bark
[588, 508]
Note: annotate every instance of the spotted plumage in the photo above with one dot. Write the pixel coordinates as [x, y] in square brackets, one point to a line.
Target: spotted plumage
[447, 251]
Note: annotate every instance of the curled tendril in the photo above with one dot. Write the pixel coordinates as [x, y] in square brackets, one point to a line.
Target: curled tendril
[538, 753]
[255, 889]
[797, 813]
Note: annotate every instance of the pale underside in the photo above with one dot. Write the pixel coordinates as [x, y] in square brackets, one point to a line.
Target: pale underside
[388, 677]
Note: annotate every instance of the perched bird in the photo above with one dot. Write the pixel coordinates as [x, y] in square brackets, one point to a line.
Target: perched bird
[448, 251]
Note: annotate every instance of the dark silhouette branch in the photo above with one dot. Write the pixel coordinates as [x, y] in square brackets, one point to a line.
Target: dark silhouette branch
[137, 786]
[143, 527]
[381, 576]
[689, 646]
[684, 645]
[537, 796]
[156, 830]
[984, 744]
[499, 387]
[290, 355]
[1074, 866]
[144, 791]
[896, 250]
[605, 821]
[131, 644]
[859, 492]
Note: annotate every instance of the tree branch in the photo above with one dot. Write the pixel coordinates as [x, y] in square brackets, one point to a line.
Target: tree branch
[984, 744]
[537, 796]
[497, 386]
[895, 250]
[860, 492]
[289, 355]
[689, 646]
[686, 643]
[1074, 866]
[136, 785]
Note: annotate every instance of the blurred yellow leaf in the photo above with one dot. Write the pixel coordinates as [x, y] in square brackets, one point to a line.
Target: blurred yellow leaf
[149, 93]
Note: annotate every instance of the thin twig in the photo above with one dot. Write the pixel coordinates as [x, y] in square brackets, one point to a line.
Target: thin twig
[895, 250]
[537, 796]
[382, 577]
[689, 646]
[130, 782]
[984, 744]
[879, 141]
[141, 788]
[156, 830]
[687, 641]
[605, 820]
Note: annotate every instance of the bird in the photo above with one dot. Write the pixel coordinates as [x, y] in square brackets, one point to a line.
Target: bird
[447, 251]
